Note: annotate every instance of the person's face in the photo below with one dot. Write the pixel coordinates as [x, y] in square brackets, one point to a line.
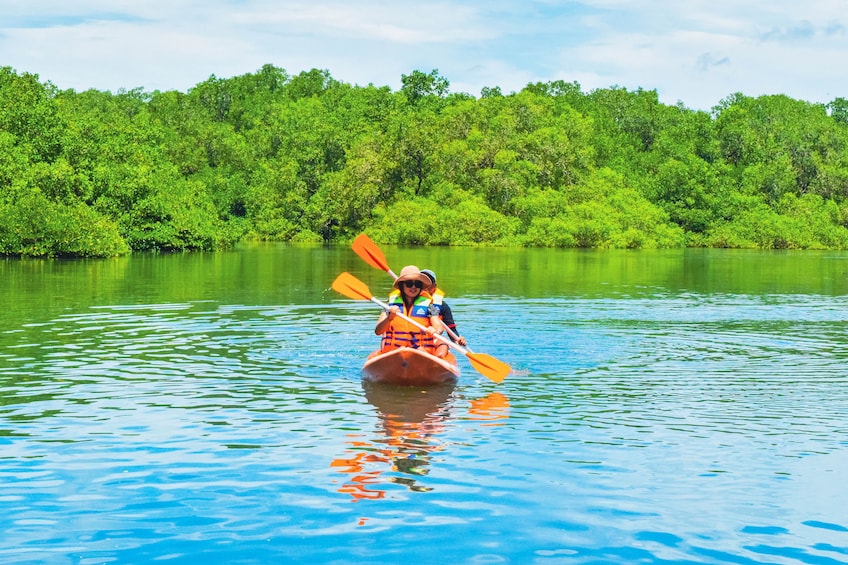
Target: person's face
[411, 288]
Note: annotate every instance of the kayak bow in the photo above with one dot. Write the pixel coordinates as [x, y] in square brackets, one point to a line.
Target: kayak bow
[410, 367]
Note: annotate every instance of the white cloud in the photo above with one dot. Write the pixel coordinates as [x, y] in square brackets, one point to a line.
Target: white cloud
[697, 52]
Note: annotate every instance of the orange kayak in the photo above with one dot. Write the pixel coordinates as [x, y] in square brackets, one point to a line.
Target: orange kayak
[410, 367]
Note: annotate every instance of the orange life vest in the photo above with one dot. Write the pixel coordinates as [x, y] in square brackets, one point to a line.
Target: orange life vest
[401, 333]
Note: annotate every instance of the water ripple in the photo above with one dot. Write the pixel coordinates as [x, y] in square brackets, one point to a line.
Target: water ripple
[680, 428]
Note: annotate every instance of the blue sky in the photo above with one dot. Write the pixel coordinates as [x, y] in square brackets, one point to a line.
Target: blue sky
[693, 51]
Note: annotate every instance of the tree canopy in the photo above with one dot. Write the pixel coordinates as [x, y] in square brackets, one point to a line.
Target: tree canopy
[306, 158]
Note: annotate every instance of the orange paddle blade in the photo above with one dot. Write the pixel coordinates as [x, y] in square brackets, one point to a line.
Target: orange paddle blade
[490, 367]
[351, 287]
[368, 250]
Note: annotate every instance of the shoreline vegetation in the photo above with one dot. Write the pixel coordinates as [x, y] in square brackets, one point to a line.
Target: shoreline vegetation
[267, 156]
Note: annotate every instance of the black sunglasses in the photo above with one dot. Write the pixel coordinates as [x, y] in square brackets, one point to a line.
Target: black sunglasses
[410, 284]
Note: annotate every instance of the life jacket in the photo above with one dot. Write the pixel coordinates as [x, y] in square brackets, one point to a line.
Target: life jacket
[401, 333]
[438, 298]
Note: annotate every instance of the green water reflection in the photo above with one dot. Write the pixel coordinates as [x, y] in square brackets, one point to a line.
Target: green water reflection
[34, 290]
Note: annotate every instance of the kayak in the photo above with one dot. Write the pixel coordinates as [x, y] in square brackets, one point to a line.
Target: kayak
[401, 407]
[410, 367]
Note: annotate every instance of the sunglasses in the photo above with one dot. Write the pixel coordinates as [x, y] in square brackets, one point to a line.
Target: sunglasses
[410, 284]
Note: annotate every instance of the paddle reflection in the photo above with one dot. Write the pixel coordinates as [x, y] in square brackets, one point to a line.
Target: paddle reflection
[490, 409]
[410, 422]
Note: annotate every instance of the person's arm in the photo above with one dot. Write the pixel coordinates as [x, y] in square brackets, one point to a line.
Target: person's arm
[385, 319]
[447, 319]
[436, 325]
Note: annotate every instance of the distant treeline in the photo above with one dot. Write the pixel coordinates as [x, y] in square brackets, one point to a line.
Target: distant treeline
[307, 158]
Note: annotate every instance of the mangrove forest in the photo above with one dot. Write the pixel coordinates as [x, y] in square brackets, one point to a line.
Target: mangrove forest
[306, 158]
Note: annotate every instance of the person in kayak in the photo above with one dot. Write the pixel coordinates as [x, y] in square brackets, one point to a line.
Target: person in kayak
[441, 308]
[410, 298]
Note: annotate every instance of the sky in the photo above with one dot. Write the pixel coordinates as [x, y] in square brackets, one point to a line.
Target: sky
[694, 52]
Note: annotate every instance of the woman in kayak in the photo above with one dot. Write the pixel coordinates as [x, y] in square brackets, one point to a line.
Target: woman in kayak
[410, 298]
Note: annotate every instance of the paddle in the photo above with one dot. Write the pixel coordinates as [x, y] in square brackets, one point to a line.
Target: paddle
[368, 250]
[490, 367]
[373, 255]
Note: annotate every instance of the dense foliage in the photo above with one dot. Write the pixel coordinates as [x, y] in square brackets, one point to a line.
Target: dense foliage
[308, 158]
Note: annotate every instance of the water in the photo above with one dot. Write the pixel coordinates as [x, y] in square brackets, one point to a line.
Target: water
[666, 407]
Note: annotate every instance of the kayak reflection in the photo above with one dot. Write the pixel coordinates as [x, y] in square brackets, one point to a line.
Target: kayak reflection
[410, 418]
[411, 421]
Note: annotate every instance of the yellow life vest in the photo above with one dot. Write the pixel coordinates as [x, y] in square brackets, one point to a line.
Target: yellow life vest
[438, 298]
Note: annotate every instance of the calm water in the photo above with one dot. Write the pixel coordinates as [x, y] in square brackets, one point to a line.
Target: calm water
[667, 407]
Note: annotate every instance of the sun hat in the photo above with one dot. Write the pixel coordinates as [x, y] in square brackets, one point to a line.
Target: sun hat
[411, 273]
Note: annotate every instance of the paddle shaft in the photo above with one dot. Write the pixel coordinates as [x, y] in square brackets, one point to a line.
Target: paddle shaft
[451, 332]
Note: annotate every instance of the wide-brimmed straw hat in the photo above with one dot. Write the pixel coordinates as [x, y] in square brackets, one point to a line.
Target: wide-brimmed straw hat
[412, 273]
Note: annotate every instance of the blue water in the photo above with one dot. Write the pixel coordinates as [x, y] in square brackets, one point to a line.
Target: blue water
[654, 425]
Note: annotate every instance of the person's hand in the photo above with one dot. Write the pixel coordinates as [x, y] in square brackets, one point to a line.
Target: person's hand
[393, 310]
[462, 341]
